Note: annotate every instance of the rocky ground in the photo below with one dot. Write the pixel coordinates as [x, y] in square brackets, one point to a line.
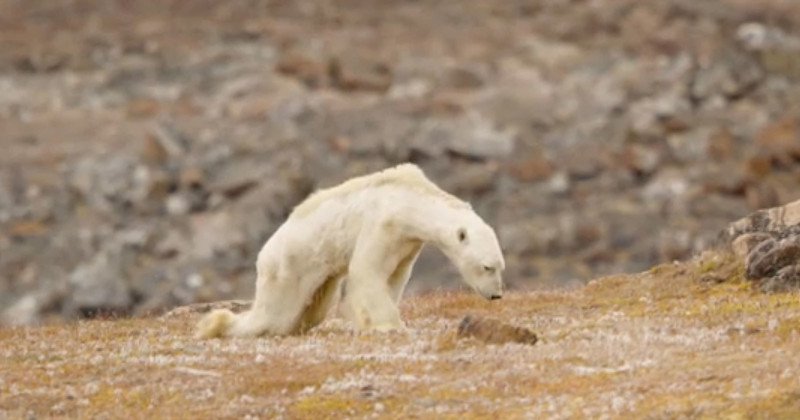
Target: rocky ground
[149, 148]
[682, 340]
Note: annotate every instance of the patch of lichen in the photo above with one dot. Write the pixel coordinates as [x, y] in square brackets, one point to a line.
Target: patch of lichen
[320, 406]
[783, 405]
[143, 401]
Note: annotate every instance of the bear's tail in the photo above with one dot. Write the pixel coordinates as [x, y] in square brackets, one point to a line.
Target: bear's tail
[217, 323]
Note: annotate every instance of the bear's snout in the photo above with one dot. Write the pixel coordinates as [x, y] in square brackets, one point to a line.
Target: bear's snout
[495, 297]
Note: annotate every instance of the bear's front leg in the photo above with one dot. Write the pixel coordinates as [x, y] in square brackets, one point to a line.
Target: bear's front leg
[369, 298]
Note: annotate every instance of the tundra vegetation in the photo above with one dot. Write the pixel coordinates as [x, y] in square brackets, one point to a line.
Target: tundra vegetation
[681, 339]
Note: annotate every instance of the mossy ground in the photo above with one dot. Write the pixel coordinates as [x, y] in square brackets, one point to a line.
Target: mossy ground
[681, 340]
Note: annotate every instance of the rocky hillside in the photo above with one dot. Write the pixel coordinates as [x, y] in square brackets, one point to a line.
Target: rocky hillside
[149, 148]
[682, 340]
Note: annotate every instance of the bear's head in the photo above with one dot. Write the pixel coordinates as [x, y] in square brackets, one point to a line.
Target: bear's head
[473, 247]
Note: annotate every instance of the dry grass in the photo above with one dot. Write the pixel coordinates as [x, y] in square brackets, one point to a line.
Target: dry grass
[682, 340]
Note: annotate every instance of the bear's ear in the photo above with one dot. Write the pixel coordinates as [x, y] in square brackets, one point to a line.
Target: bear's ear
[462, 235]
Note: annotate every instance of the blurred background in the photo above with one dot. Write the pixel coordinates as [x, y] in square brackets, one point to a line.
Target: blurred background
[149, 148]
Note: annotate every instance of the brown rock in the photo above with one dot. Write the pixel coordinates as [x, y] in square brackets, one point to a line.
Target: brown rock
[152, 152]
[308, 70]
[250, 108]
[532, 169]
[463, 78]
[494, 332]
[192, 177]
[143, 108]
[761, 196]
[640, 159]
[721, 145]
[27, 229]
[235, 306]
[781, 140]
[340, 144]
[351, 73]
[758, 166]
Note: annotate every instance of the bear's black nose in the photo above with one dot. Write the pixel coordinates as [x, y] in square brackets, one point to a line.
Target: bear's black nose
[495, 297]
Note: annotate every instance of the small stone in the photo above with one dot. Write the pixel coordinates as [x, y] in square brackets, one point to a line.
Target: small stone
[781, 140]
[101, 284]
[463, 78]
[532, 169]
[641, 159]
[192, 177]
[24, 311]
[559, 183]
[471, 136]
[761, 195]
[251, 107]
[691, 146]
[152, 152]
[494, 332]
[143, 108]
[721, 145]
[758, 166]
[178, 204]
[303, 67]
[175, 143]
[352, 72]
[368, 391]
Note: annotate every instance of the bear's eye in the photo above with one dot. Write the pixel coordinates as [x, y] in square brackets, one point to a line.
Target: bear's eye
[488, 269]
[462, 235]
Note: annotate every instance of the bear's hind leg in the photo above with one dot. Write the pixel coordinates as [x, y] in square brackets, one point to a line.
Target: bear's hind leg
[321, 302]
[278, 306]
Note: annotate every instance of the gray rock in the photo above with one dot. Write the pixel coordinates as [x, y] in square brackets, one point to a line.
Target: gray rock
[779, 221]
[692, 145]
[25, 311]
[472, 136]
[730, 75]
[101, 284]
[744, 244]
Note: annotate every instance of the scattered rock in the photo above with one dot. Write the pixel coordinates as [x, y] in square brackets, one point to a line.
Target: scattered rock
[494, 332]
[573, 152]
[351, 72]
[768, 242]
[472, 136]
[101, 285]
[235, 306]
[312, 72]
[463, 77]
[781, 140]
[532, 169]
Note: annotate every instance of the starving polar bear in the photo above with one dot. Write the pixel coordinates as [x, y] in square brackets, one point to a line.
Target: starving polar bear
[367, 232]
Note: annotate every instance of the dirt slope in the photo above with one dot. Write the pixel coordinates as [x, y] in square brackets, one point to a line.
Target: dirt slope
[681, 340]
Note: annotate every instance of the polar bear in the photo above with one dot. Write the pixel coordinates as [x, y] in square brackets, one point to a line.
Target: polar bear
[367, 232]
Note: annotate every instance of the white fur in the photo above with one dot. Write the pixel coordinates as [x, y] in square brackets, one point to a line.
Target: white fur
[369, 231]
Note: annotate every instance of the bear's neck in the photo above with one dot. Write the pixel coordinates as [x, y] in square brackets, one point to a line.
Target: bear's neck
[431, 220]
